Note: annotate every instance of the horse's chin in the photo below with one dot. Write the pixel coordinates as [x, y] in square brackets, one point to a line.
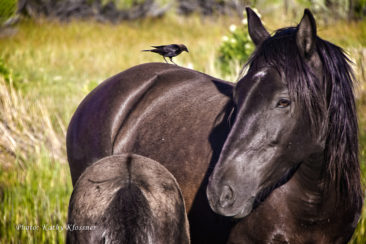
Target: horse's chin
[243, 213]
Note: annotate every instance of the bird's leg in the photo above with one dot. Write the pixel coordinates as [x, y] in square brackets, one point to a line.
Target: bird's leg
[171, 59]
[165, 60]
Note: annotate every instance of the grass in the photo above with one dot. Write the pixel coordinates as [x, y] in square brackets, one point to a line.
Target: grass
[52, 66]
[26, 126]
[72, 58]
[47, 68]
[34, 179]
[37, 194]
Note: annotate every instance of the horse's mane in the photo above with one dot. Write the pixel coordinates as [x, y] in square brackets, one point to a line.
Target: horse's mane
[331, 100]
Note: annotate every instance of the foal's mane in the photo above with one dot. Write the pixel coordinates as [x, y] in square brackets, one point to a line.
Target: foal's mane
[329, 104]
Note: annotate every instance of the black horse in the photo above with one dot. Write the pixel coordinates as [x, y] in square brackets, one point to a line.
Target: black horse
[181, 118]
[127, 199]
[299, 144]
[173, 115]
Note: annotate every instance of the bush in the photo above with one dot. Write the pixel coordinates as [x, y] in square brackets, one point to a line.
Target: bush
[7, 9]
[235, 48]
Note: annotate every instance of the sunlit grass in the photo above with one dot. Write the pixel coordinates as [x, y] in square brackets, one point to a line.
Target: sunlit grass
[66, 60]
[34, 194]
[53, 66]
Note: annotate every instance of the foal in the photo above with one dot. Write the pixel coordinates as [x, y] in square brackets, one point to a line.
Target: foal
[127, 199]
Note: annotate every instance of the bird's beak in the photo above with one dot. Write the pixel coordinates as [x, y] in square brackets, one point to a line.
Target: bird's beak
[187, 51]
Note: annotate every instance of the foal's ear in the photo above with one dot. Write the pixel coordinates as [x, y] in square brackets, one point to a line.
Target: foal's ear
[257, 32]
[306, 35]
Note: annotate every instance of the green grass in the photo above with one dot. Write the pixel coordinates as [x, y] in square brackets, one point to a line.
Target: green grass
[54, 65]
[67, 60]
[360, 234]
[34, 194]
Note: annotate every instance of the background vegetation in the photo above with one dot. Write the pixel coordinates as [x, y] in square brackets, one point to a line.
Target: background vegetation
[48, 66]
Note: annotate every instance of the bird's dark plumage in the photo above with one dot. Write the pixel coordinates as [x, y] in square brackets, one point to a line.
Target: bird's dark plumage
[168, 51]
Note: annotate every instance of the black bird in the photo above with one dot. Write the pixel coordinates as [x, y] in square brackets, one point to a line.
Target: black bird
[168, 51]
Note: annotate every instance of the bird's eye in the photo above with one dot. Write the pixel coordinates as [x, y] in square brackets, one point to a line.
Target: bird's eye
[283, 103]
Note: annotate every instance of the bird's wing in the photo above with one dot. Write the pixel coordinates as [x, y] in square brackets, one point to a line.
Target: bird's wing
[172, 50]
[168, 48]
[174, 46]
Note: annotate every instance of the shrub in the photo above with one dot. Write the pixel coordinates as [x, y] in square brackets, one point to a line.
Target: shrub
[7, 9]
[235, 48]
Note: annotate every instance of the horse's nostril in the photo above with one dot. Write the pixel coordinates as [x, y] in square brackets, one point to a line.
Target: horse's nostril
[227, 197]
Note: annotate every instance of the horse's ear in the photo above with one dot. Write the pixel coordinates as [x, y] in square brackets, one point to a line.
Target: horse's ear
[256, 30]
[306, 35]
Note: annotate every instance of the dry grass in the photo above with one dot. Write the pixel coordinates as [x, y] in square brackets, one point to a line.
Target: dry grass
[26, 127]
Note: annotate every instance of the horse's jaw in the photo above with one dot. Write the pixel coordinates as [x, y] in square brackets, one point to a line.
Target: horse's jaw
[246, 209]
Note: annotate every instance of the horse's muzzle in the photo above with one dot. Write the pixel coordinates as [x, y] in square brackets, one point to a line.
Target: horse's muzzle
[223, 200]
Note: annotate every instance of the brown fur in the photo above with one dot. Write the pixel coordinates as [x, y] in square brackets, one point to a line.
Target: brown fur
[129, 199]
[176, 116]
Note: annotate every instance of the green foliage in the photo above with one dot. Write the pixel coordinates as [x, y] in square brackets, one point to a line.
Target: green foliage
[7, 9]
[5, 72]
[359, 8]
[235, 48]
[8, 75]
[360, 234]
[127, 4]
[123, 4]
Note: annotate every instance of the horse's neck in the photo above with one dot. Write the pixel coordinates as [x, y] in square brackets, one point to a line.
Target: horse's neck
[309, 189]
[310, 175]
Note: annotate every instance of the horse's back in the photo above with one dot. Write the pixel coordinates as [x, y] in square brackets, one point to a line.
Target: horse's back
[90, 133]
[175, 116]
[134, 110]
[128, 198]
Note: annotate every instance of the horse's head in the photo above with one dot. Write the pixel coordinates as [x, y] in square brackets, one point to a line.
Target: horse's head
[278, 117]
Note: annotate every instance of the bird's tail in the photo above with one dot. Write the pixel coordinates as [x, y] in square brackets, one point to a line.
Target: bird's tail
[152, 50]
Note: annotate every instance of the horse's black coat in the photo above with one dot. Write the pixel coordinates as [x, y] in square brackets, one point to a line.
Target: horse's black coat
[128, 199]
[173, 115]
[283, 140]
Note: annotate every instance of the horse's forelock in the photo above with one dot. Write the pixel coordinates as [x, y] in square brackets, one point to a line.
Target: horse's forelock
[281, 52]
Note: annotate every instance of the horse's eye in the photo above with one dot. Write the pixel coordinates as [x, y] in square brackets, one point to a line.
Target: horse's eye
[283, 103]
